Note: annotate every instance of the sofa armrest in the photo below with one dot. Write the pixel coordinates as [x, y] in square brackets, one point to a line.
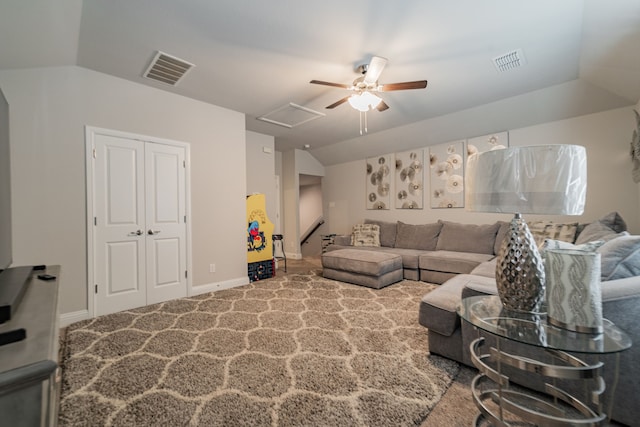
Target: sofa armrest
[620, 288]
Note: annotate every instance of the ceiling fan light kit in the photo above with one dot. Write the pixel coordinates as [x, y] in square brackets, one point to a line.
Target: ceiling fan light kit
[364, 101]
[365, 87]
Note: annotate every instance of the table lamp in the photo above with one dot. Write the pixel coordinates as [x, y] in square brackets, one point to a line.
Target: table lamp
[543, 179]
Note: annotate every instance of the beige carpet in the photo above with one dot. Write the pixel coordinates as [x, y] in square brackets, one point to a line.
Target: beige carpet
[295, 350]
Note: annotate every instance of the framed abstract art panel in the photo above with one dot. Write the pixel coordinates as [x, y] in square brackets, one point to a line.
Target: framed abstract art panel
[409, 182]
[446, 167]
[378, 184]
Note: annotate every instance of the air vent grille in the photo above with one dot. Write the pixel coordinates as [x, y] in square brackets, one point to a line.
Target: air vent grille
[509, 60]
[291, 115]
[167, 69]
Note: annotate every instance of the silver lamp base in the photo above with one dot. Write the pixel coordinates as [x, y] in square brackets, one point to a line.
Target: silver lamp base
[520, 269]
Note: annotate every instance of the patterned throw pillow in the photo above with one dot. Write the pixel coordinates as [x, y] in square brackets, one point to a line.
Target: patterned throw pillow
[365, 235]
[559, 244]
[574, 299]
[542, 230]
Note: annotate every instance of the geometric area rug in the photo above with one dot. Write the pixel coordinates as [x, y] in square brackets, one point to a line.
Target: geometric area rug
[295, 350]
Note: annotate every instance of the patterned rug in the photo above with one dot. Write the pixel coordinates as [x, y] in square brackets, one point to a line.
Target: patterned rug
[296, 350]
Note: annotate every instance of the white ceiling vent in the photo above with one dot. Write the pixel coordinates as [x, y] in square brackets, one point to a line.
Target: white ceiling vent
[509, 60]
[291, 115]
[167, 69]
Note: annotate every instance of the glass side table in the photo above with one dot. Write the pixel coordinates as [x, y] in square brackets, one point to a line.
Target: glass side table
[502, 405]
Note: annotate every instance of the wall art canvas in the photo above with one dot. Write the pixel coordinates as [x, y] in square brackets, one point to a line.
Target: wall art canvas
[446, 166]
[378, 185]
[409, 182]
[494, 141]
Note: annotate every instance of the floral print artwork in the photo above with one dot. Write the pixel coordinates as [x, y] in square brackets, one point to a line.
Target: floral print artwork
[409, 175]
[378, 183]
[446, 163]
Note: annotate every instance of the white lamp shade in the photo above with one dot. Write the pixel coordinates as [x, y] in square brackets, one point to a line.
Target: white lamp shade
[543, 179]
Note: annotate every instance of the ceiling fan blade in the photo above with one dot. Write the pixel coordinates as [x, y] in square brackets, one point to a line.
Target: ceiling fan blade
[320, 82]
[419, 84]
[374, 70]
[382, 106]
[340, 102]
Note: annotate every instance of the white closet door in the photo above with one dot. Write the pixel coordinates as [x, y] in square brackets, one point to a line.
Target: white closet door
[120, 247]
[140, 228]
[165, 222]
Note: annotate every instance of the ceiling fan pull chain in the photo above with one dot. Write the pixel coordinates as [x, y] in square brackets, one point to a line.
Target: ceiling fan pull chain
[365, 123]
[360, 122]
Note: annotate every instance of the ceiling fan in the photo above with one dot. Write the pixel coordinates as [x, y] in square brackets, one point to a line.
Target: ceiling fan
[366, 86]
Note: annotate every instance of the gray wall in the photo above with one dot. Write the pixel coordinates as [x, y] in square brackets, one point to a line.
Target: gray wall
[606, 136]
[49, 108]
[261, 171]
[5, 185]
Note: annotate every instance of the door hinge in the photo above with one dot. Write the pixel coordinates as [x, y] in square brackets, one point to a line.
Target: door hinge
[185, 274]
[95, 220]
[184, 164]
[96, 288]
[94, 153]
[185, 219]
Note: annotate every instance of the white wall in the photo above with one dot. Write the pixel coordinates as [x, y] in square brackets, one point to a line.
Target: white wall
[606, 136]
[49, 108]
[261, 171]
[310, 206]
[295, 163]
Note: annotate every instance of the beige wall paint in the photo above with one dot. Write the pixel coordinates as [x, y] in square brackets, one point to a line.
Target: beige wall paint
[49, 108]
[606, 136]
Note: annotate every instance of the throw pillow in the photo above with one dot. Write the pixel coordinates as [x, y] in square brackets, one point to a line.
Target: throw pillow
[550, 244]
[388, 231]
[573, 295]
[542, 230]
[423, 237]
[605, 228]
[473, 238]
[620, 257]
[365, 235]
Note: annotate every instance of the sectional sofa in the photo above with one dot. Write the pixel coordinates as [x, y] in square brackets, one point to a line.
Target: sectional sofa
[461, 258]
[433, 252]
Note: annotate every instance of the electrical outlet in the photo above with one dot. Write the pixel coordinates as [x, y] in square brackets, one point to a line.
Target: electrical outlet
[212, 268]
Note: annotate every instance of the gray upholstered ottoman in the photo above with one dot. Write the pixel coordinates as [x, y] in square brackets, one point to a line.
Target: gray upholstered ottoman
[367, 268]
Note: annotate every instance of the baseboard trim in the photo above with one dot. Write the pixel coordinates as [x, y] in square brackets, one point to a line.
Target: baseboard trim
[67, 319]
[218, 286]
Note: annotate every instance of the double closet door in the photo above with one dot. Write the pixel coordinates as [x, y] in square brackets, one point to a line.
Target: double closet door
[139, 224]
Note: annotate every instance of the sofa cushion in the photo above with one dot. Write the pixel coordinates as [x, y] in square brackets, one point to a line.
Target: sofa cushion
[452, 262]
[438, 308]
[409, 256]
[423, 237]
[620, 258]
[486, 269]
[542, 230]
[370, 263]
[472, 238]
[606, 228]
[365, 235]
[388, 231]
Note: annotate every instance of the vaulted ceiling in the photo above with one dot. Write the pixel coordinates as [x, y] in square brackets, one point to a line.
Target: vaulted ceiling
[257, 56]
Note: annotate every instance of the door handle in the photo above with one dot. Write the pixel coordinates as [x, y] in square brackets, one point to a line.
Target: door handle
[136, 233]
[153, 232]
